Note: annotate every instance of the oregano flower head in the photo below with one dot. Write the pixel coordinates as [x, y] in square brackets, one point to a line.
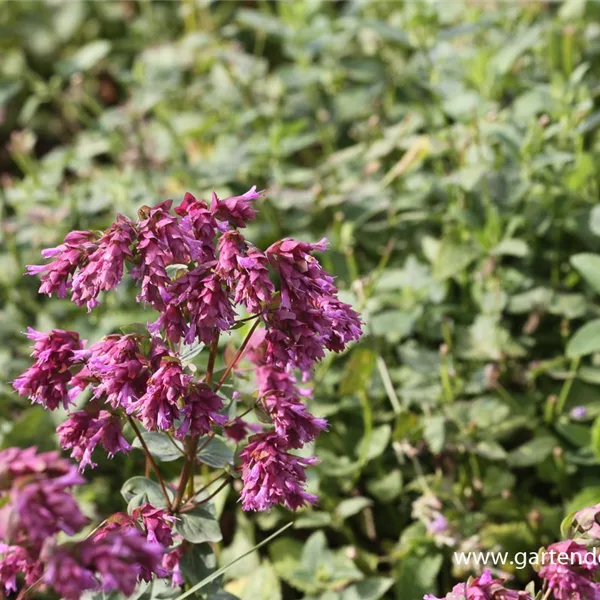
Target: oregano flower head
[193, 264]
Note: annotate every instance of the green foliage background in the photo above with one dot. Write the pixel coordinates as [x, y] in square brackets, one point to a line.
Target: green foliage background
[448, 150]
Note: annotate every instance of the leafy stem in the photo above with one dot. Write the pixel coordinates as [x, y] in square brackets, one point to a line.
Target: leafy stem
[237, 356]
[191, 445]
[150, 459]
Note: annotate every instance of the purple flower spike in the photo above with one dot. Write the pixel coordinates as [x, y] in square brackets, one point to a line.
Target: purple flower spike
[282, 400]
[235, 211]
[161, 242]
[245, 272]
[57, 274]
[574, 580]
[83, 431]
[117, 370]
[116, 561]
[103, 270]
[46, 507]
[121, 558]
[273, 476]
[484, 587]
[16, 560]
[197, 306]
[159, 408]
[199, 221]
[45, 382]
[200, 412]
[157, 523]
[67, 576]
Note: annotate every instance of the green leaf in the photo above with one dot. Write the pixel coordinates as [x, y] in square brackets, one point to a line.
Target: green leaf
[357, 372]
[199, 525]
[198, 562]
[216, 454]
[588, 266]
[586, 497]
[190, 351]
[586, 340]
[139, 490]
[434, 432]
[375, 445]
[415, 575]
[565, 525]
[453, 258]
[263, 585]
[85, 58]
[532, 453]
[160, 445]
[222, 570]
[370, 589]
[352, 506]
[595, 437]
[387, 487]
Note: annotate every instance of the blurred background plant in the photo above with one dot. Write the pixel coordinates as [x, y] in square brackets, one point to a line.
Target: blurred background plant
[448, 151]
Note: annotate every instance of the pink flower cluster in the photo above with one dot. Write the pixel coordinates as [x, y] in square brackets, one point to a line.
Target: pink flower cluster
[37, 504]
[197, 269]
[569, 570]
[484, 587]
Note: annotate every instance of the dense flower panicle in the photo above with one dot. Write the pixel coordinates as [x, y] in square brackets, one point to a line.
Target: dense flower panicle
[194, 282]
[572, 581]
[484, 587]
[104, 267]
[121, 558]
[116, 561]
[197, 307]
[56, 275]
[235, 211]
[282, 401]
[19, 462]
[200, 412]
[159, 407]
[239, 429]
[157, 523]
[118, 370]
[44, 507]
[83, 431]
[302, 276]
[294, 339]
[198, 220]
[245, 271]
[311, 317]
[14, 561]
[161, 242]
[343, 324]
[254, 288]
[273, 476]
[68, 576]
[46, 381]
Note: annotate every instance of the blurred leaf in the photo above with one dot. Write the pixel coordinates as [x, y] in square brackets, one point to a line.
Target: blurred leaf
[215, 454]
[199, 525]
[85, 58]
[140, 490]
[586, 340]
[160, 445]
[589, 267]
[532, 453]
[351, 506]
